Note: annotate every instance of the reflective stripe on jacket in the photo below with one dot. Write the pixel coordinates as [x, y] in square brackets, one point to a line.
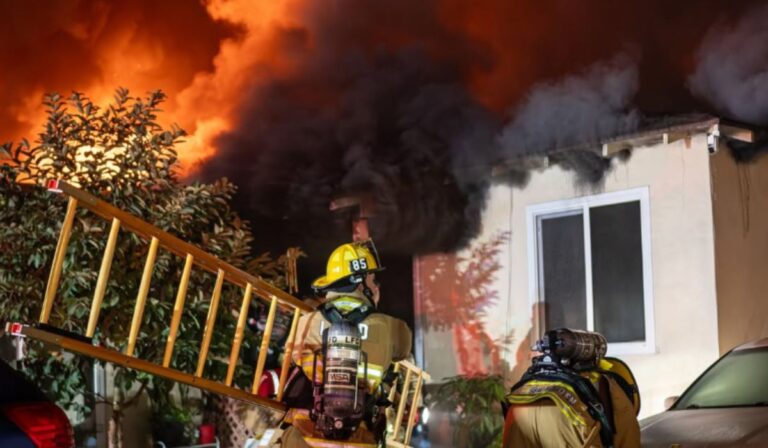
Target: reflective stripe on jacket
[546, 414]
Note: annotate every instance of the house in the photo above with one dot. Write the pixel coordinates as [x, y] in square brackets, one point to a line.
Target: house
[666, 256]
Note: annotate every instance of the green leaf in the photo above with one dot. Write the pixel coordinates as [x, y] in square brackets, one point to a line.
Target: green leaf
[31, 219]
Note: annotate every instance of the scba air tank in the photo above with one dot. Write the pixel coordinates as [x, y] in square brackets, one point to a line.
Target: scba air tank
[342, 397]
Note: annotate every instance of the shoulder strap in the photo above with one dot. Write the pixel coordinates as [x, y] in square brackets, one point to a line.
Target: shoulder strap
[333, 315]
[630, 390]
[604, 392]
[586, 392]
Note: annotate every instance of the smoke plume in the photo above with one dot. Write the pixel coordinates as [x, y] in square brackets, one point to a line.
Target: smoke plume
[732, 68]
[392, 124]
[412, 102]
[569, 118]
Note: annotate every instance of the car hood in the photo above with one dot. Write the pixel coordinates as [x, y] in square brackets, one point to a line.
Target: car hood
[722, 427]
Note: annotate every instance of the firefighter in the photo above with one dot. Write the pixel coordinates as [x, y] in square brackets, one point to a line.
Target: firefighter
[350, 295]
[572, 396]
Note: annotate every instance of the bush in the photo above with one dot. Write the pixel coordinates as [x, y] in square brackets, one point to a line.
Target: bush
[476, 403]
[122, 155]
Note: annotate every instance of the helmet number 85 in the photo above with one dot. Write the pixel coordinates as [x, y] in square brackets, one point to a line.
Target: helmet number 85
[358, 265]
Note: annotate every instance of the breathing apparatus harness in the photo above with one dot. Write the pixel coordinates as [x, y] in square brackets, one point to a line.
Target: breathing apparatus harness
[340, 398]
[566, 354]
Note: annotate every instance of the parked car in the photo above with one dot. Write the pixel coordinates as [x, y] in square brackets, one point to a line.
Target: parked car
[28, 419]
[727, 406]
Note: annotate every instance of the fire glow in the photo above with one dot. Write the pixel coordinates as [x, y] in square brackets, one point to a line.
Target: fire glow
[363, 95]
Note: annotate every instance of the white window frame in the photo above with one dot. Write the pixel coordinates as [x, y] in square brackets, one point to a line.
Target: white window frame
[535, 212]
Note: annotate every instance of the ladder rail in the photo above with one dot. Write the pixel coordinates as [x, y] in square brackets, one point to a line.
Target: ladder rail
[118, 358]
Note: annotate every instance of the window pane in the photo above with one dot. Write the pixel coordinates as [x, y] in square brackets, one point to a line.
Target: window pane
[562, 249]
[617, 272]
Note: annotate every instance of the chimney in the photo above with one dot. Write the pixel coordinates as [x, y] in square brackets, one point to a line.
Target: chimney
[363, 205]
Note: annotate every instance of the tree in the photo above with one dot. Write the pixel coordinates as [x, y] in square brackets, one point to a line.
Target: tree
[457, 290]
[121, 154]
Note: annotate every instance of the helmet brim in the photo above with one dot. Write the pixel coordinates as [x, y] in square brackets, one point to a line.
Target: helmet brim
[344, 284]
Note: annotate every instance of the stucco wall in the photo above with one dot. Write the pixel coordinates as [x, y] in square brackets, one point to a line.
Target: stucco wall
[682, 247]
[741, 247]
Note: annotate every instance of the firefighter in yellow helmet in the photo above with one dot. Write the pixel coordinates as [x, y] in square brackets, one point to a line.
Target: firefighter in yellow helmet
[350, 296]
[572, 396]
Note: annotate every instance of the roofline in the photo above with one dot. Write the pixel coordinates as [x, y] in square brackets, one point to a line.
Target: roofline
[668, 134]
[646, 137]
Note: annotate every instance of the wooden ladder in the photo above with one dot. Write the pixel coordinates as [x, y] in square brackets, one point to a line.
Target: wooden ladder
[194, 257]
[400, 436]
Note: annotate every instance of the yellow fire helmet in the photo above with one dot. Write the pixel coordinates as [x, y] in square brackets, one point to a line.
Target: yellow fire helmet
[621, 373]
[347, 267]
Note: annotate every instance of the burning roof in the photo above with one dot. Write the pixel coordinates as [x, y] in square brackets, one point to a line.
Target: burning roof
[745, 142]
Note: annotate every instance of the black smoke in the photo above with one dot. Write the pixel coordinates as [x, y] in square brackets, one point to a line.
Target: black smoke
[732, 68]
[377, 101]
[395, 122]
[400, 126]
[732, 75]
[568, 119]
[378, 105]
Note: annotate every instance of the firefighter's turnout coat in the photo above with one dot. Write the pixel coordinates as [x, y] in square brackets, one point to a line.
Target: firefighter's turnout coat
[385, 339]
[549, 414]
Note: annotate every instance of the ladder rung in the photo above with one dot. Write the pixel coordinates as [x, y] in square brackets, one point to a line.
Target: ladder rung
[141, 299]
[264, 346]
[101, 283]
[210, 323]
[238, 339]
[287, 354]
[178, 308]
[58, 260]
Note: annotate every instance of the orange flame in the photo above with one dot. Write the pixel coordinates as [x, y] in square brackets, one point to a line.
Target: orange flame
[203, 63]
[207, 55]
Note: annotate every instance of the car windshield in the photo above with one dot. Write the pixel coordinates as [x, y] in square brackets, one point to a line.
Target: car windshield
[739, 379]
